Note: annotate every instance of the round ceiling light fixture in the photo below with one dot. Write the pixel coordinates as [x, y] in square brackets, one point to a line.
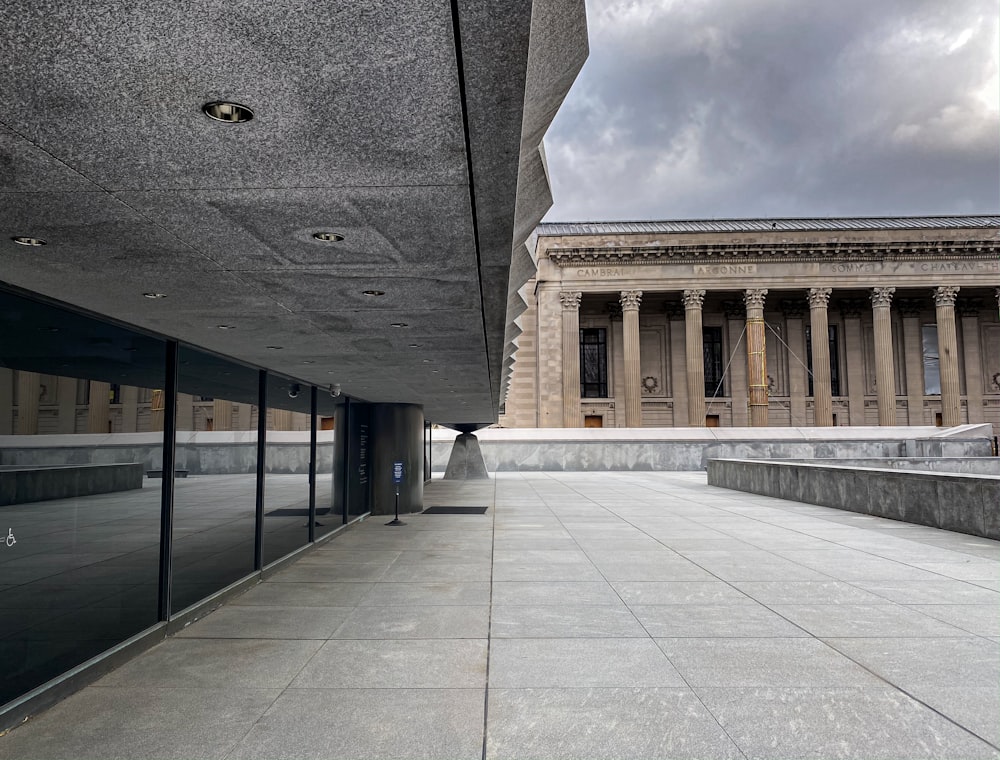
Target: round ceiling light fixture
[275, 348]
[373, 293]
[30, 241]
[399, 324]
[154, 295]
[230, 113]
[328, 237]
[226, 327]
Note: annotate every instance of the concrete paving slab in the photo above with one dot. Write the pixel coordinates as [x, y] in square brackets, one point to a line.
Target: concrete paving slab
[544, 592]
[714, 620]
[807, 592]
[260, 622]
[298, 594]
[625, 724]
[124, 723]
[980, 619]
[396, 664]
[368, 724]
[679, 592]
[742, 662]
[215, 663]
[860, 723]
[854, 620]
[564, 622]
[931, 592]
[579, 663]
[416, 622]
[422, 592]
[915, 663]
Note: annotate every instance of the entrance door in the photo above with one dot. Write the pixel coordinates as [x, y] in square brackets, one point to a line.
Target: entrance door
[711, 420]
[593, 421]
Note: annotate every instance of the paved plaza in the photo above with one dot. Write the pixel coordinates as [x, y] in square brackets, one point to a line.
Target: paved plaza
[584, 615]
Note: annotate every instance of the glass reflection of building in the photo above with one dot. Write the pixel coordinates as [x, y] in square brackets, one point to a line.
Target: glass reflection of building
[104, 546]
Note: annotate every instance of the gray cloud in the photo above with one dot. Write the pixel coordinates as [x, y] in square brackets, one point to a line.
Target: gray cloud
[746, 108]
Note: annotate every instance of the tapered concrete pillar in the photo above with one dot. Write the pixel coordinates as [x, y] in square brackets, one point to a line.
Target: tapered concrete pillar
[819, 329]
[951, 405]
[694, 354]
[968, 309]
[570, 300]
[885, 380]
[98, 407]
[466, 461]
[630, 300]
[756, 356]
[29, 386]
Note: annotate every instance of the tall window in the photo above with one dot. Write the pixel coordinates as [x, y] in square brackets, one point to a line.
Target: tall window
[711, 343]
[932, 360]
[834, 361]
[593, 362]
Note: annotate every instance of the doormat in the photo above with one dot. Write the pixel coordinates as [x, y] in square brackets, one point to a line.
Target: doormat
[455, 511]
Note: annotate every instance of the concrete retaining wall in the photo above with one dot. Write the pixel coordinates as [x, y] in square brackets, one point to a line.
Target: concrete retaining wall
[968, 465]
[672, 449]
[952, 501]
[21, 485]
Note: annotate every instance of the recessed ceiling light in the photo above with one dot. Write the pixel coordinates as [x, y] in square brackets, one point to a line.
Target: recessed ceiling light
[416, 345]
[275, 348]
[435, 371]
[226, 327]
[373, 292]
[231, 113]
[427, 361]
[328, 237]
[308, 361]
[154, 295]
[399, 324]
[23, 240]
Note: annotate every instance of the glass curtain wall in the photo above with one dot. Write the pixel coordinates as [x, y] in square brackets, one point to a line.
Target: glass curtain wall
[286, 480]
[215, 488]
[327, 517]
[79, 513]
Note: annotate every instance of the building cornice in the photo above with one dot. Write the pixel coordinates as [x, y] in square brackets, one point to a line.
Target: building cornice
[763, 252]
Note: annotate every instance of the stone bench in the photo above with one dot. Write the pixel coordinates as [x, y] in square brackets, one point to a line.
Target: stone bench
[30, 483]
[966, 503]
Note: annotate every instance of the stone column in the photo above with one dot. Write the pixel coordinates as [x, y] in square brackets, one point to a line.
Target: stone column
[66, 398]
[674, 311]
[98, 407]
[222, 414]
[756, 356]
[885, 380]
[819, 328]
[909, 309]
[850, 311]
[968, 309]
[694, 355]
[798, 384]
[29, 385]
[736, 321]
[951, 405]
[570, 300]
[6, 401]
[130, 408]
[630, 300]
[616, 363]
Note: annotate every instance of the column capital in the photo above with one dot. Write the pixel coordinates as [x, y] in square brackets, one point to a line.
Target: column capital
[819, 297]
[630, 300]
[570, 299]
[945, 295]
[882, 297]
[693, 299]
[754, 297]
[614, 311]
[909, 307]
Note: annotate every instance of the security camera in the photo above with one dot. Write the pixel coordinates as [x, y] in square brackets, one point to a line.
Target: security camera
[294, 390]
[335, 390]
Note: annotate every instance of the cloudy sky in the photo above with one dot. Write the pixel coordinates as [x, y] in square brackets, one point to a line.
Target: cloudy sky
[771, 108]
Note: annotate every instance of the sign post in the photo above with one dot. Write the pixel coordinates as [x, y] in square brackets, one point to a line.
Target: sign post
[397, 478]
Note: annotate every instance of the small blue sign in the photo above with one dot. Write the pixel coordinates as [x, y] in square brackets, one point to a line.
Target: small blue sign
[397, 472]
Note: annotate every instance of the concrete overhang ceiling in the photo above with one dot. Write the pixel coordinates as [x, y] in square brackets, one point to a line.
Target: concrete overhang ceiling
[412, 128]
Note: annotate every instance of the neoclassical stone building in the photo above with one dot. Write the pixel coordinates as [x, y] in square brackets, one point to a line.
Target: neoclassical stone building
[788, 322]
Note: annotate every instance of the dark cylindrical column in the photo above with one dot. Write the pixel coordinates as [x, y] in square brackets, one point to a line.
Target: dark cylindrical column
[397, 436]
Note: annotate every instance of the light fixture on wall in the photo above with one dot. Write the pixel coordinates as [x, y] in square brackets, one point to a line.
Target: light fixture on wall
[335, 390]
